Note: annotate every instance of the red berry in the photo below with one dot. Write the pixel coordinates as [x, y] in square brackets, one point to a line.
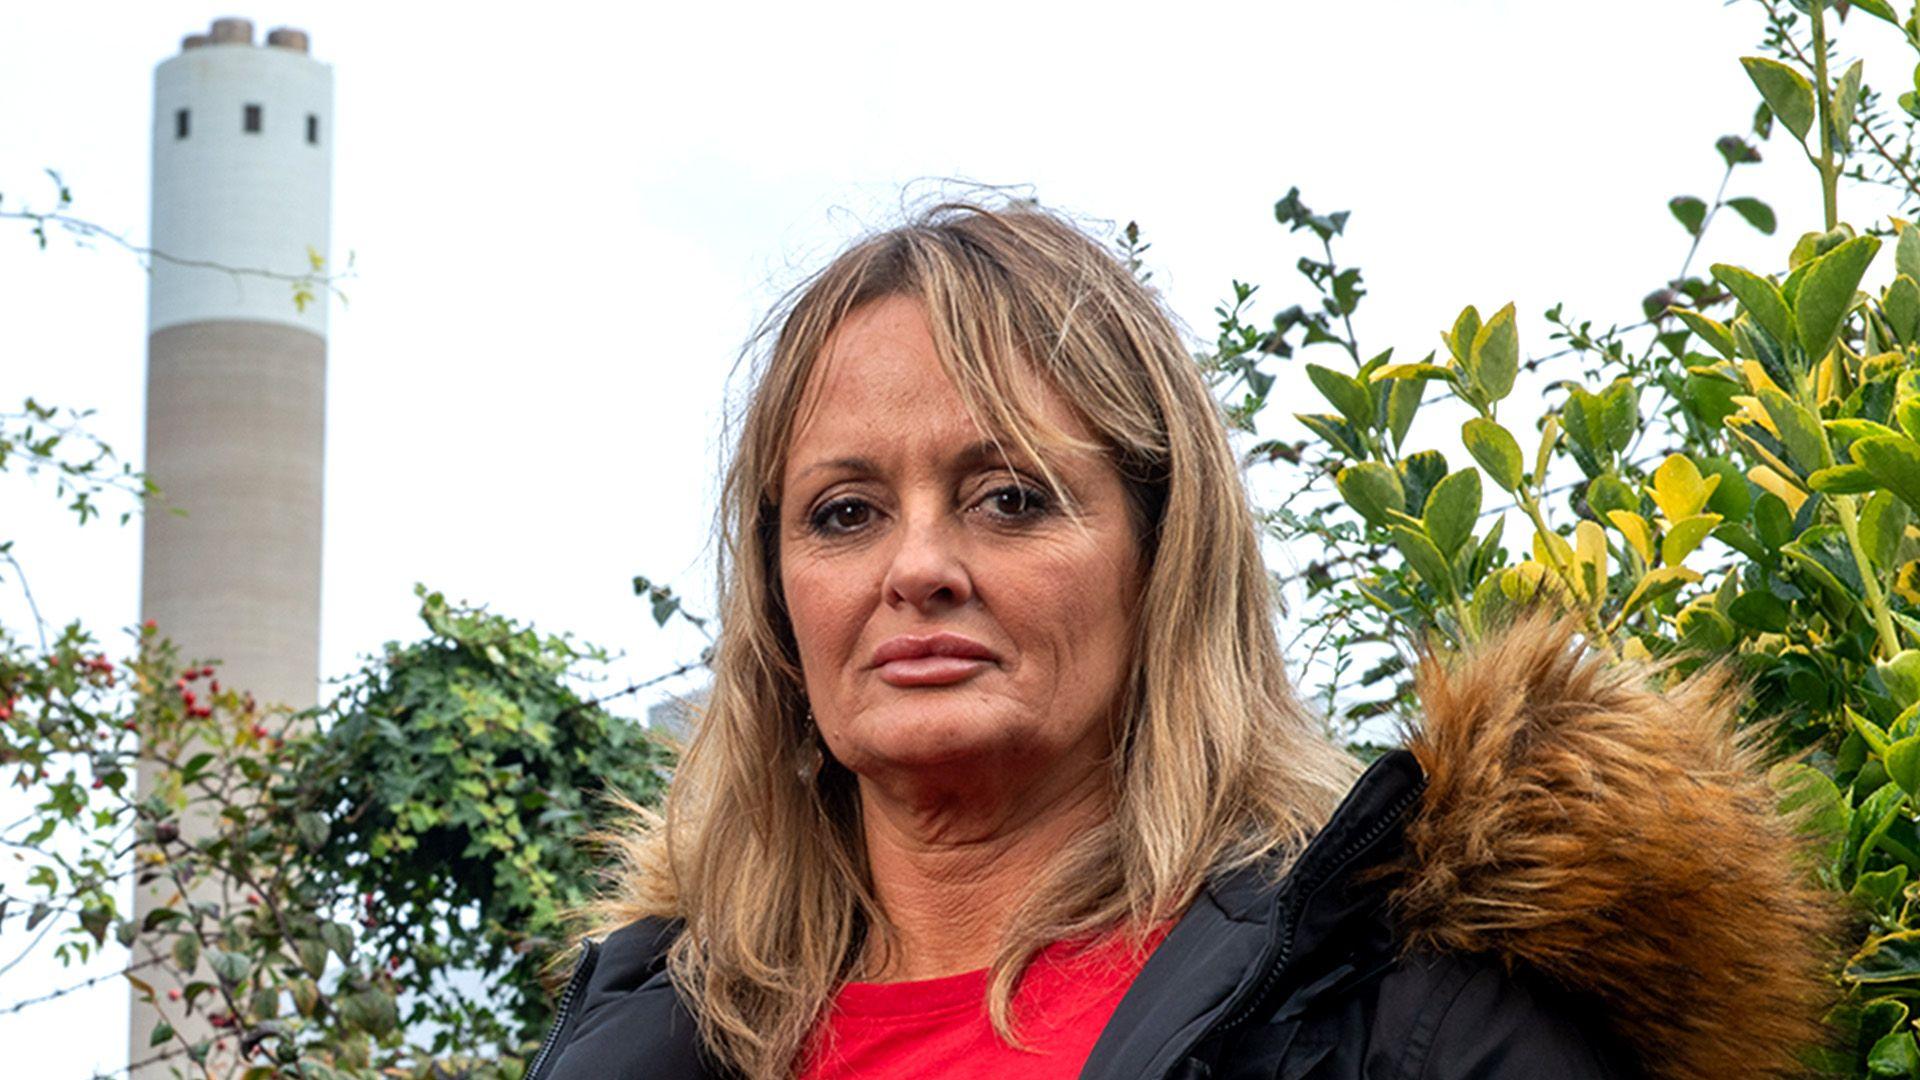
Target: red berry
[393, 963]
[253, 898]
[173, 995]
[99, 783]
[207, 671]
[187, 697]
[213, 687]
[130, 725]
[259, 731]
[149, 625]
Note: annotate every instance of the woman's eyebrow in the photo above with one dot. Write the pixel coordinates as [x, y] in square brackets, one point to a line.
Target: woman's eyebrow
[860, 465]
[987, 453]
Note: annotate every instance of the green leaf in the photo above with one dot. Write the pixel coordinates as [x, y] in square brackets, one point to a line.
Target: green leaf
[1772, 520]
[1848, 430]
[1730, 498]
[1685, 535]
[371, 1010]
[1334, 431]
[1822, 553]
[1425, 558]
[1906, 253]
[1887, 958]
[232, 967]
[1846, 105]
[1711, 331]
[1735, 150]
[1787, 92]
[1895, 461]
[1452, 509]
[186, 953]
[1902, 676]
[1689, 211]
[1808, 794]
[1902, 306]
[1701, 627]
[1403, 401]
[1345, 392]
[1760, 298]
[313, 956]
[1620, 412]
[1419, 472]
[1758, 214]
[1710, 397]
[1656, 583]
[1751, 339]
[1496, 354]
[1760, 611]
[1634, 528]
[313, 830]
[1549, 442]
[339, 938]
[1903, 763]
[1679, 489]
[1412, 371]
[1842, 480]
[1880, 890]
[1495, 449]
[1883, 521]
[1827, 294]
[1895, 1054]
[1870, 822]
[1608, 492]
[1460, 342]
[162, 1032]
[1373, 489]
[1806, 440]
[1879, 9]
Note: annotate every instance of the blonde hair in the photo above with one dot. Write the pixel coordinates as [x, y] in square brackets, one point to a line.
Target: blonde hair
[1217, 763]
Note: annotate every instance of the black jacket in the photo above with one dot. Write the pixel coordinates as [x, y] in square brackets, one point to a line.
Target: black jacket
[1257, 980]
[1530, 890]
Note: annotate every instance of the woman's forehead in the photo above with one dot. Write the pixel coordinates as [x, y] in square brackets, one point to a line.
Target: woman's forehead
[880, 375]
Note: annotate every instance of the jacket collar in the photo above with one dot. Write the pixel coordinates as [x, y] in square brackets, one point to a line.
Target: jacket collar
[1246, 939]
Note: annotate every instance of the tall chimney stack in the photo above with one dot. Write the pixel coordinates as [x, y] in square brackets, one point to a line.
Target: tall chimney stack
[236, 382]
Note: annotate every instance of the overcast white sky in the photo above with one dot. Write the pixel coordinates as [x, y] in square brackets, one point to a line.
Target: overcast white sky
[567, 217]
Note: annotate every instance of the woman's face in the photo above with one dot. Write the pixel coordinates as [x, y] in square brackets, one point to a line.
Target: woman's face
[955, 624]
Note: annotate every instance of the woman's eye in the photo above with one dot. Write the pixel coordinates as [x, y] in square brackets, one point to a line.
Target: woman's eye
[840, 515]
[1017, 502]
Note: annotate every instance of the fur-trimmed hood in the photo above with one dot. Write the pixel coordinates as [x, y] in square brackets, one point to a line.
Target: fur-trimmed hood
[1616, 835]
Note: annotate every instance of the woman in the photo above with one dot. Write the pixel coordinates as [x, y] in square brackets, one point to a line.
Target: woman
[1001, 774]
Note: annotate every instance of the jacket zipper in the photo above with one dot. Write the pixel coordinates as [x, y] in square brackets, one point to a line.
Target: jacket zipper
[1303, 891]
[576, 984]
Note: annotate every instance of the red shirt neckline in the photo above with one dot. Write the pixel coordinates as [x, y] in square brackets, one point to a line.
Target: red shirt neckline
[913, 997]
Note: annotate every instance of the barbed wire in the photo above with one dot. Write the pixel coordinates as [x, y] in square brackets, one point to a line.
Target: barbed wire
[55, 995]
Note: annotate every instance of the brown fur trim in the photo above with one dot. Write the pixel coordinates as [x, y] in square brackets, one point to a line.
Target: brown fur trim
[1621, 839]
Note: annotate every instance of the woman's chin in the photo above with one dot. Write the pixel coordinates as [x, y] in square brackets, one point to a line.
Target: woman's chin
[931, 739]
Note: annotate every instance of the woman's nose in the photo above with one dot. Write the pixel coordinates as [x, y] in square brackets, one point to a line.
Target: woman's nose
[928, 570]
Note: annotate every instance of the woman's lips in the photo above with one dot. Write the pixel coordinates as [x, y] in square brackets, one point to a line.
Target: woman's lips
[931, 670]
[931, 660]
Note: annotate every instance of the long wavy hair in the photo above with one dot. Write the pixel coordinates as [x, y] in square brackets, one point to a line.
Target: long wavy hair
[1216, 765]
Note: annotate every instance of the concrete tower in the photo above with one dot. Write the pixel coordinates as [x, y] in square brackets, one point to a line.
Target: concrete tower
[236, 370]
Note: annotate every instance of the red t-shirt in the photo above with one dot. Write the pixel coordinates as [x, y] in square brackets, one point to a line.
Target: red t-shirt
[939, 1027]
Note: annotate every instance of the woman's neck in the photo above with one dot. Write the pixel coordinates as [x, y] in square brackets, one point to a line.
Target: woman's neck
[949, 868]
